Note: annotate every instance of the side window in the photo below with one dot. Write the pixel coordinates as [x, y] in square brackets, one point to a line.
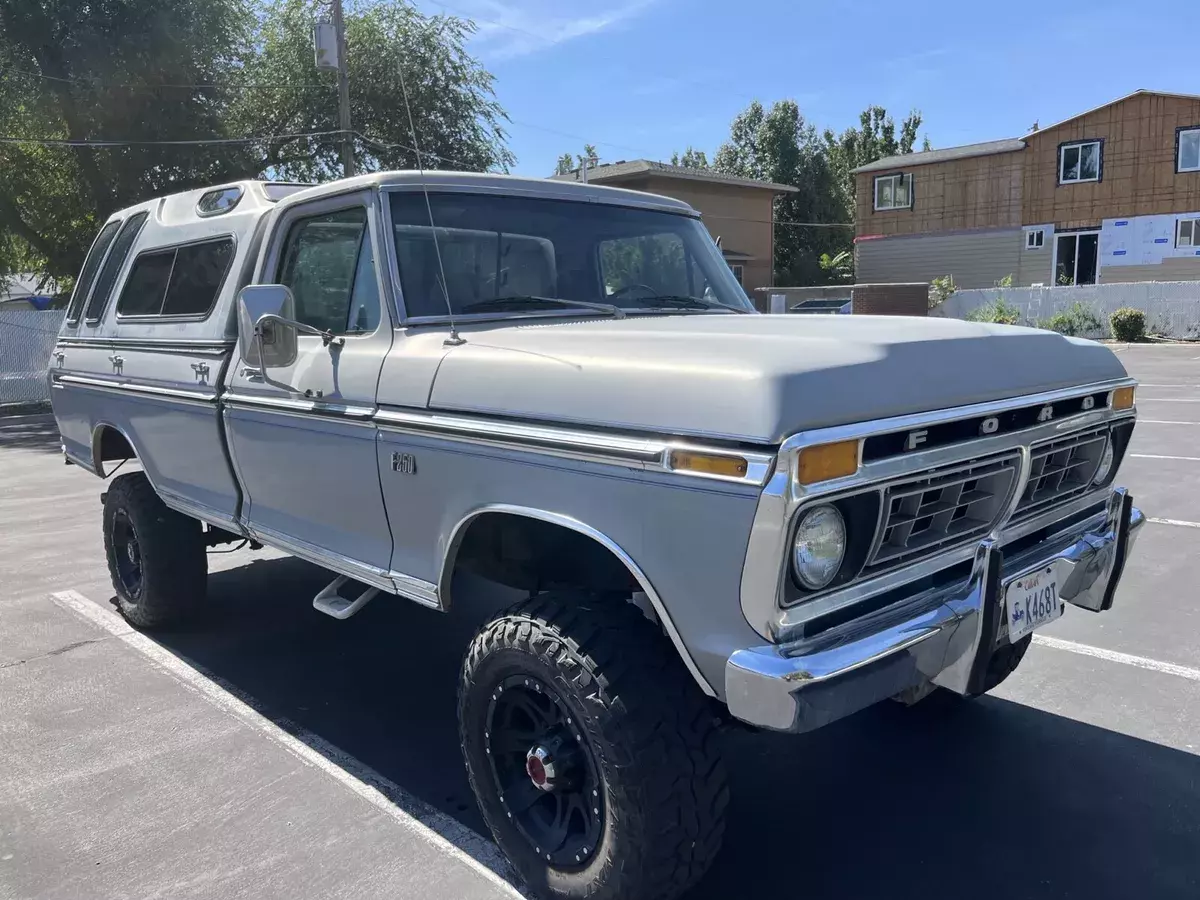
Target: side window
[176, 281]
[90, 266]
[320, 263]
[196, 280]
[112, 266]
[646, 265]
[147, 283]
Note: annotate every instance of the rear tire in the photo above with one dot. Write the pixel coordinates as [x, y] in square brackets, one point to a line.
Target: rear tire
[156, 556]
[640, 747]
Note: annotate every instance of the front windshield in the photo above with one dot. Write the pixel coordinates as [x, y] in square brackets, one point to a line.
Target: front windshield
[511, 254]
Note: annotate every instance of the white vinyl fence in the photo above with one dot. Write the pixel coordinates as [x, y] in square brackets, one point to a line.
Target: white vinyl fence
[26, 339]
[1172, 308]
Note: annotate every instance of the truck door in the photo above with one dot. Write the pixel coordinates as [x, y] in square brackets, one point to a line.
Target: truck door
[302, 435]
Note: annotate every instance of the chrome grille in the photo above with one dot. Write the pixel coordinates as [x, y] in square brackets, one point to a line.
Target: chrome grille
[944, 506]
[1060, 470]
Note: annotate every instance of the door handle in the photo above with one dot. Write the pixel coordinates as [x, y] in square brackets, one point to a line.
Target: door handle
[117, 360]
[201, 369]
[60, 356]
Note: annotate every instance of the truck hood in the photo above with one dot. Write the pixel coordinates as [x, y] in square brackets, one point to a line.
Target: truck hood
[753, 378]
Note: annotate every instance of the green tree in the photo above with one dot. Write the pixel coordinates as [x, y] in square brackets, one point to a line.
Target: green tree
[567, 163]
[873, 139]
[390, 46]
[779, 145]
[78, 71]
[690, 158]
[147, 71]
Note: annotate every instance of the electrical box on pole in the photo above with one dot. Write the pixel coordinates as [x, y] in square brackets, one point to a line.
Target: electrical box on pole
[325, 46]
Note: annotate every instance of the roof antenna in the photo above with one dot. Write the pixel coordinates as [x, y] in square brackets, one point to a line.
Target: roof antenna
[455, 339]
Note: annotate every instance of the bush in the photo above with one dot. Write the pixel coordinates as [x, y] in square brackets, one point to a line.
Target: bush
[999, 313]
[941, 290]
[1078, 321]
[1128, 325]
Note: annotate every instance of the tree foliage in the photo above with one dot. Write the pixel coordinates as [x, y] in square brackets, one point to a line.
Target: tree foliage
[873, 139]
[779, 145]
[146, 71]
[567, 163]
[690, 158]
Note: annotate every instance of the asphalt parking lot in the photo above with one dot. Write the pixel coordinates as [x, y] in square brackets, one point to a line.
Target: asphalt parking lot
[271, 751]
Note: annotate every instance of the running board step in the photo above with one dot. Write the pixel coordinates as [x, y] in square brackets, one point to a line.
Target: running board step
[333, 603]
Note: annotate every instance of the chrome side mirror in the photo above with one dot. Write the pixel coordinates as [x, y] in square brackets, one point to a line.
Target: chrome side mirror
[265, 337]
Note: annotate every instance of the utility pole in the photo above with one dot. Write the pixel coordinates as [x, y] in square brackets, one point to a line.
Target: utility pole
[339, 26]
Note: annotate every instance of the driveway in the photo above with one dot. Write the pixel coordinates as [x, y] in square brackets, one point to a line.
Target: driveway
[273, 751]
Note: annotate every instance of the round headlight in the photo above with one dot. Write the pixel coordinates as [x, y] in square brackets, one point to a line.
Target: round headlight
[1106, 463]
[819, 547]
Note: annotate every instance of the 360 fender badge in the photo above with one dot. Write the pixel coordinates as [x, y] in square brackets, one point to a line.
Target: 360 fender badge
[404, 463]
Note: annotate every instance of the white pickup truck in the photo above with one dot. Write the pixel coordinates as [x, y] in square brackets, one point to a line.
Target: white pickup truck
[715, 515]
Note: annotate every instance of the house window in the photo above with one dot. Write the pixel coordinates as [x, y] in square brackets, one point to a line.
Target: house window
[1187, 156]
[893, 191]
[1079, 162]
[737, 272]
[1076, 258]
[1188, 233]
[1035, 239]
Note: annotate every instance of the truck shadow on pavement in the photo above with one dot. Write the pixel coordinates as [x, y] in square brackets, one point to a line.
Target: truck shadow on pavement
[993, 799]
[32, 432]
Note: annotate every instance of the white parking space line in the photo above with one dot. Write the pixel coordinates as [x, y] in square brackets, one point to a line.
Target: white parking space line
[1165, 422]
[1157, 456]
[1127, 659]
[1168, 399]
[1183, 523]
[435, 827]
[1175, 384]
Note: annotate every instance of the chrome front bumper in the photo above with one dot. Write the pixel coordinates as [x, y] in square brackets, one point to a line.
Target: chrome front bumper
[944, 635]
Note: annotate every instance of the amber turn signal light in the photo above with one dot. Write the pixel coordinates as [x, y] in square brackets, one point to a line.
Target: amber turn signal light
[1122, 398]
[826, 461]
[709, 463]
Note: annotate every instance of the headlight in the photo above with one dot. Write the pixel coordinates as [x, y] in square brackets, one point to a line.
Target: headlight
[819, 547]
[1106, 463]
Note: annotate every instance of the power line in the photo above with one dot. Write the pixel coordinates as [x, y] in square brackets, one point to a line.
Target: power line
[102, 143]
[98, 82]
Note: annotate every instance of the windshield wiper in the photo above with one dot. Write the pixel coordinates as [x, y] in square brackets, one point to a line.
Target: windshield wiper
[528, 301]
[682, 301]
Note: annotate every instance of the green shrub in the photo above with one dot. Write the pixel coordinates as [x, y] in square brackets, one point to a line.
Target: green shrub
[1000, 313]
[1077, 321]
[940, 290]
[1128, 325]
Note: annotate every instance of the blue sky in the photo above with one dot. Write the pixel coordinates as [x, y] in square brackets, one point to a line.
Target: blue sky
[641, 78]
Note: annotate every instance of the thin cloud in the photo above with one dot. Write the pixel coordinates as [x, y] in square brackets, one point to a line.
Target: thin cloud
[507, 31]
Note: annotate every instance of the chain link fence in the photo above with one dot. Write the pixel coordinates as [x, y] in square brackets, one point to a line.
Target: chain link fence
[27, 338]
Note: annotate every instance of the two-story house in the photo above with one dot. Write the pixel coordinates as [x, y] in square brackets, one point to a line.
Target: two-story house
[739, 211]
[1109, 195]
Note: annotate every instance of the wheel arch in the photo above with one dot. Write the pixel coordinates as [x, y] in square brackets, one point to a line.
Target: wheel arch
[111, 442]
[461, 529]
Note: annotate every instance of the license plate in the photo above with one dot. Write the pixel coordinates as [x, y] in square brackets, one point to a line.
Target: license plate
[1032, 600]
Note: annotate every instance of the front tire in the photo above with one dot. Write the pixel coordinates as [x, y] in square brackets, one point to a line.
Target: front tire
[586, 695]
[156, 556]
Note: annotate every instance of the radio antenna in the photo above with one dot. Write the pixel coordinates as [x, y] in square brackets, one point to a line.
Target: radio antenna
[455, 339]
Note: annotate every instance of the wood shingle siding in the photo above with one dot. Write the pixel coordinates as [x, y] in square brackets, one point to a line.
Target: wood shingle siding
[960, 194]
[1138, 176]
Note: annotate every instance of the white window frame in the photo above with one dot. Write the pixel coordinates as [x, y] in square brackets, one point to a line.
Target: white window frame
[1179, 151]
[739, 272]
[1035, 238]
[1062, 156]
[1193, 233]
[894, 178]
